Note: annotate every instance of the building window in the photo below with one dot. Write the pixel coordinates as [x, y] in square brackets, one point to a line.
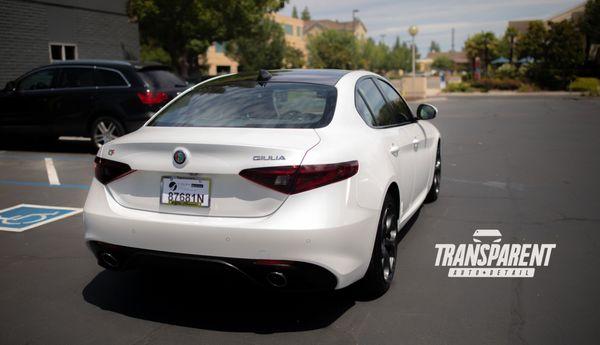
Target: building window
[298, 31]
[62, 51]
[288, 29]
[220, 47]
[223, 70]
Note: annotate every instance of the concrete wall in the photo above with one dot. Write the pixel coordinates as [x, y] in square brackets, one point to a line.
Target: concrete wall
[414, 88]
[100, 29]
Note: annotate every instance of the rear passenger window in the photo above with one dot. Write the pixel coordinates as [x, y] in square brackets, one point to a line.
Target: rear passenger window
[105, 78]
[396, 101]
[162, 79]
[74, 77]
[363, 110]
[383, 112]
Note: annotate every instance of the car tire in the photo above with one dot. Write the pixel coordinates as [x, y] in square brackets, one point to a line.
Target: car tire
[434, 189]
[381, 269]
[105, 129]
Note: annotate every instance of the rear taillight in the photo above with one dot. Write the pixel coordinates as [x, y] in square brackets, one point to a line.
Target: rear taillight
[152, 98]
[107, 171]
[297, 179]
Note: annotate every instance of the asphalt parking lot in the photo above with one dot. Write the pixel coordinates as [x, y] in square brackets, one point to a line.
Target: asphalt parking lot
[527, 166]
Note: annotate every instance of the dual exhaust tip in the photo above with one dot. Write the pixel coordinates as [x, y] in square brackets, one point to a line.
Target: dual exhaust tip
[109, 260]
[275, 279]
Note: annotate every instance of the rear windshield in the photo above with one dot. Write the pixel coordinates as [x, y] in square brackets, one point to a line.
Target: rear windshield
[251, 104]
[161, 79]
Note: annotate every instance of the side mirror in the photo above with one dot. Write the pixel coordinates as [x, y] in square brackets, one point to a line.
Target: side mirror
[426, 111]
[10, 86]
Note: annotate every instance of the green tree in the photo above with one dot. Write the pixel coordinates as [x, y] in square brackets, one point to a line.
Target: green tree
[382, 58]
[151, 53]
[533, 43]
[294, 12]
[434, 47]
[507, 43]
[186, 28]
[333, 49]
[374, 56]
[262, 47]
[443, 63]
[305, 13]
[589, 25]
[293, 57]
[483, 45]
[564, 53]
[565, 49]
[400, 56]
[367, 54]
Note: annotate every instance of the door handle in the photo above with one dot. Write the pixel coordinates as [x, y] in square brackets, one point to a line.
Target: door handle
[394, 150]
[415, 143]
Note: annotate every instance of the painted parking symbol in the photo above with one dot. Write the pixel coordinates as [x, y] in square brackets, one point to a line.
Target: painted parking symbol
[24, 217]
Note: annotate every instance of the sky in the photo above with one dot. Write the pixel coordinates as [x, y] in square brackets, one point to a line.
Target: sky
[386, 19]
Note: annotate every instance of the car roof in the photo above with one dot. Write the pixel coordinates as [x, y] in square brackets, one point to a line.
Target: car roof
[315, 76]
[140, 66]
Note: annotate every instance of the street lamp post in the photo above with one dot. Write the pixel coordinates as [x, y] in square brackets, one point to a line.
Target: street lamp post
[413, 31]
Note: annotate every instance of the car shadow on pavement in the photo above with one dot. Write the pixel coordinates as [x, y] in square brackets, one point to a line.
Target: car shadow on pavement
[218, 301]
[40, 144]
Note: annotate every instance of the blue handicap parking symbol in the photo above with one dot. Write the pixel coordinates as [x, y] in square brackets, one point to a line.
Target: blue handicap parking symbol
[24, 217]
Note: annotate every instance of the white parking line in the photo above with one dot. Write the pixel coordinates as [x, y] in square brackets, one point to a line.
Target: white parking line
[436, 99]
[52, 175]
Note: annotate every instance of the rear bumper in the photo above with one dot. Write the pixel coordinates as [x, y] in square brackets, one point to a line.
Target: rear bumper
[327, 232]
[292, 275]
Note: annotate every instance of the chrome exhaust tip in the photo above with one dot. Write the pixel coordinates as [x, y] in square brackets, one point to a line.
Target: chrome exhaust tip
[109, 260]
[277, 279]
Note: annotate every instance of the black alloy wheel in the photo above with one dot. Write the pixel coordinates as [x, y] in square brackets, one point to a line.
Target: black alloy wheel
[434, 190]
[381, 269]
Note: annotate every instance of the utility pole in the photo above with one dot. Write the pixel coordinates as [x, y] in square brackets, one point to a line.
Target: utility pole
[485, 53]
[354, 12]
[413, 31]
[452, 50]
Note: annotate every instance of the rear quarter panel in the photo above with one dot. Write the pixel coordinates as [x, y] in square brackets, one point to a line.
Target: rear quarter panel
[348, 138]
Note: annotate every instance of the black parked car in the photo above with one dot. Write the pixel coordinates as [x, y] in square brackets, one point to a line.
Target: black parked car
[97, 99]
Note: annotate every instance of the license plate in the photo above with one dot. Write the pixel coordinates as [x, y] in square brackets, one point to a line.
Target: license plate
[183, 191]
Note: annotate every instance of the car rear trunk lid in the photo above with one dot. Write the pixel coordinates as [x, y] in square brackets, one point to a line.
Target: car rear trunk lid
[216, 155]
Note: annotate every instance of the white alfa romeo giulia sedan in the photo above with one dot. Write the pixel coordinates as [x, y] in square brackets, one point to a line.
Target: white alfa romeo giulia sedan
[298, 179]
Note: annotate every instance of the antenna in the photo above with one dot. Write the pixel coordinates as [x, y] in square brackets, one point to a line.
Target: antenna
[263, 77]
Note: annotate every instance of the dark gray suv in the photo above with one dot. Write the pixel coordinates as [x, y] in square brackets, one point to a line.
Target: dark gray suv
[88, 98]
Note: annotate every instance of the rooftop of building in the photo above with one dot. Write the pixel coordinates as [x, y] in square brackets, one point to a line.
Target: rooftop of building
[333, 24]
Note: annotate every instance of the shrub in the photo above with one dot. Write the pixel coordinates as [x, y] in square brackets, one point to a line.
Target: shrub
[547, 78]
[528, 88]
[496, 84]
[458, 87]
[590, 86]
[506, 71]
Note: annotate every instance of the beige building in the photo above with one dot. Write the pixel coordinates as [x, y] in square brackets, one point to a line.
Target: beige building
[294, 32]
[219, 63]
[573, 13]
[216, 60]
[460, 59]
[296, 35]
[314, 27]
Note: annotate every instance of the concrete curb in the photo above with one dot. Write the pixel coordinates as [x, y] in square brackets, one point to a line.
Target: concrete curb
[513, 94]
